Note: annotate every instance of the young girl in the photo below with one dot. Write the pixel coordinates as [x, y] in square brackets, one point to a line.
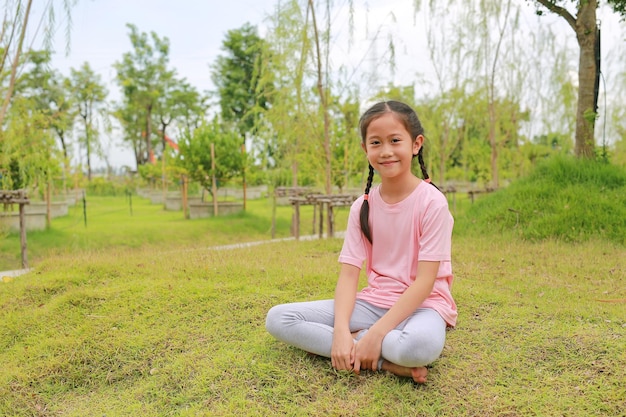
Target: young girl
[402, 229]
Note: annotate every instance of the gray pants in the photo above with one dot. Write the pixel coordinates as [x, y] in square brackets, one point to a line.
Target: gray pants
[417, 341]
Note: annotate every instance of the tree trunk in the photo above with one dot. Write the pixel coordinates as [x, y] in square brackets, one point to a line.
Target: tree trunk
[323, 101]
[494, 144]
[584, 24]
[149, 133]
[586, 34]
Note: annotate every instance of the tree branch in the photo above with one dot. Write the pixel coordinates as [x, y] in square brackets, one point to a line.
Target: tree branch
[18, 52]
[561, 11]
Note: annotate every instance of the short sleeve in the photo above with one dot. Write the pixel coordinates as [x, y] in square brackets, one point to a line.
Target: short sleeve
[435, 232]
[354, 250]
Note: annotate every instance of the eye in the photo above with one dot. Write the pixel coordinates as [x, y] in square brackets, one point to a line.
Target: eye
[395, 140]
[374, 142]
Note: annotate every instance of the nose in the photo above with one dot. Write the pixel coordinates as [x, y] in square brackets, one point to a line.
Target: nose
[386, 150]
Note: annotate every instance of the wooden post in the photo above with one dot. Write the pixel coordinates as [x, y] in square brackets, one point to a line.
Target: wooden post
[321, 214]
[274, 213]
[185, 201]
[19, 197]
[296, 220]
[214, 185]
[163, 180]
[23, 237]
[330, 219]
[48, 204]
[314, 219]
[243, 152]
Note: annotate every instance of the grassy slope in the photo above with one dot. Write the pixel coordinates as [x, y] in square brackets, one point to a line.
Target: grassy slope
[564, 198]
[154, 334]
[136, 326]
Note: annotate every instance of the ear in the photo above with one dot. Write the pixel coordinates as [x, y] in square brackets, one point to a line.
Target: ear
[364, 148]
[417, 144]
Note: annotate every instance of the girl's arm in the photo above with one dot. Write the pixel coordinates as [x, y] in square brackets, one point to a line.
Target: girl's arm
[342, 351]
[369, 347]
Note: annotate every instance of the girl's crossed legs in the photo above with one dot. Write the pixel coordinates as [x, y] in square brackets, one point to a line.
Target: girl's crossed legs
[406, 350]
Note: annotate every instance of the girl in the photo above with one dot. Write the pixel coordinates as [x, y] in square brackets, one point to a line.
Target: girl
[402, 229]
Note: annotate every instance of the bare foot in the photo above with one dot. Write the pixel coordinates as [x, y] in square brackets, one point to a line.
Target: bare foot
[418, 374]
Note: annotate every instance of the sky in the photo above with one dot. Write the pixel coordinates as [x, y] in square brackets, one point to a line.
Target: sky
[197, 28]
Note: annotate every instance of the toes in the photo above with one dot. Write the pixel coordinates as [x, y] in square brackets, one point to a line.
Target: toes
[419, 375]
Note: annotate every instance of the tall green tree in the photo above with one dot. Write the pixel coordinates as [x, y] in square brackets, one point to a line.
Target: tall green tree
[143, 75]
[49, 96]
[28, 155]
[15, 24]
[236, 74]
[581, 17]
[50, 93]
[288, 120]
[89, 98]
[18, 136]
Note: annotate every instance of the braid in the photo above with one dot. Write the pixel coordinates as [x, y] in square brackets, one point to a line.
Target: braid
[365, 207]
[420, 159]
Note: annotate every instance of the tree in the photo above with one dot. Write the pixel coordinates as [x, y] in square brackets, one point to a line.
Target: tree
[242, 95]
[17, 15]
[583, 22]
[323, 87]
[289, 123]
[237, 78]
[89, 94]
[49, 96]
[195, 154]
[23, 147]
[142, 74]
[181, 105]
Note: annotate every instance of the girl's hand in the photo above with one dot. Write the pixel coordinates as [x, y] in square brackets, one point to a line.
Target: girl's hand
[367, 351]
[342, 350]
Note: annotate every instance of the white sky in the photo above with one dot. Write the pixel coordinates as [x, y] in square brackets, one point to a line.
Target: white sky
[197, 28]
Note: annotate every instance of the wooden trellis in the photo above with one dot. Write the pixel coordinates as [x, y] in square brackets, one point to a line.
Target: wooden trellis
[19, 197]
[319, 201]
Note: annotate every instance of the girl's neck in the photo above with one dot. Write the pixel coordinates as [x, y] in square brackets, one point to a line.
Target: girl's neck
[393, 191]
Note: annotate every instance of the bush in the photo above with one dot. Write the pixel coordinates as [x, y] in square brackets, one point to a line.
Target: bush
[106, 188]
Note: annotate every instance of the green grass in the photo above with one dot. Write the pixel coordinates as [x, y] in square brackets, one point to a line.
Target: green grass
[565, 198]
[125, 332]
[110, 224]
[137, 316]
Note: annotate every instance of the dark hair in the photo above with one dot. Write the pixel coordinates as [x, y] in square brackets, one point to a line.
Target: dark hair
[411, 122]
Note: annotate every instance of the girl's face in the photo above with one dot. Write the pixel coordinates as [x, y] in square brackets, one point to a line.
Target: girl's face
[390, 147]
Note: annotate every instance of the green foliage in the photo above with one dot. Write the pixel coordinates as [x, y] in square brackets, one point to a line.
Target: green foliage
[89, 95]
[143, 75]
[237, 75]
[563, 198]
[195, 154]
[99, 186]
[27, 150]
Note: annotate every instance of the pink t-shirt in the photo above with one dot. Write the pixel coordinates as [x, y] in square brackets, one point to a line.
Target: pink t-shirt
[417, 228]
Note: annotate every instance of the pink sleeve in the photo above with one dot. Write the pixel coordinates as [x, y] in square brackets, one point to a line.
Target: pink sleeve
[435, 234]
[353, 251]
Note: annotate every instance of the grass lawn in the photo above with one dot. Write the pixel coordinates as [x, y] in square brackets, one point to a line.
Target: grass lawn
[128, 320]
